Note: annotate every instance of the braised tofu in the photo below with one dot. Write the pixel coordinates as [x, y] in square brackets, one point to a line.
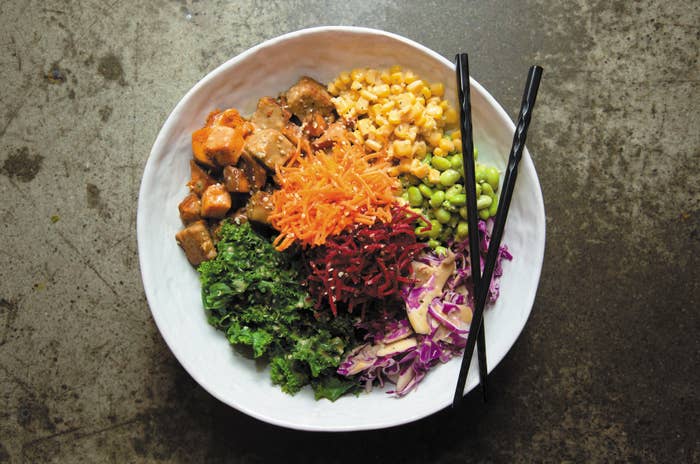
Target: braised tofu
[337, 133]
[199, 179]
[297, 136]
[254, 172]
[235, 180]
[270, 114]
[190, 209]
[224, 145]
[216, 201]
[270, 147]
[199, 151]
[259, 207]
[196, 241]
[307, 97]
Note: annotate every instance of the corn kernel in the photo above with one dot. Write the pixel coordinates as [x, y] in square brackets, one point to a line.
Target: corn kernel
[456, 135]
[416, 110]
[402, 131]
[368, 95]
[437, 89]
[388, 106]
[362, 105]
[415, 86]
[402, 148]
[417, 168]
[394, 171]
[357, 74]
[437, 151]
[385, 77]
[458, 145]
[434, 138]
[425, 91]
[396, 89]
[394, 69]
[364, 126]
[430, 125]
[405, 100]
[332, 89]
[397, 78]
[451, 116]
[356, 85]
[421, 100]
[420, 149]
[371, 76]
[421, 119]
[444, 104]
[345, 77]
[434, 111]
[447, 145]
[381, 90]
[409, 77]
[373, 145]
[394, 117]
[434, 176]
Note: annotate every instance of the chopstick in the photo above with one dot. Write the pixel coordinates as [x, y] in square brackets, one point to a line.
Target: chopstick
[529, 96]
[470, 186]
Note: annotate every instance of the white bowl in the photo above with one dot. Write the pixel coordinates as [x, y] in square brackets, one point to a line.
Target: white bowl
[172, 285]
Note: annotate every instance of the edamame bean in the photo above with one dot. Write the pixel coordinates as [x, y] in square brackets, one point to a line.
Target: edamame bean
[480, 173]
[449, 177]
[463, 212]
[476, 154]
[440, 163]
[486, 189]
[457, 161]
[484, 214]
[449, 206]
[478, 190]
[454, 220]
[454, 190]
[462, 229]
[437, 198]
[432, 243]
[425, 190]
[493, 209]
[440, 250]
[459, 199]
[414, 196]
[435, 231]
[483, 201]
[492, 177]
[442, 215]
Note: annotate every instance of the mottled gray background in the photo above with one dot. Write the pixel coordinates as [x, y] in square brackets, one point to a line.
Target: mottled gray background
[607, 367]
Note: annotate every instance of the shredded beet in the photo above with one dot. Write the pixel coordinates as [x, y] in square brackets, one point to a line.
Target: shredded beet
[364, 263]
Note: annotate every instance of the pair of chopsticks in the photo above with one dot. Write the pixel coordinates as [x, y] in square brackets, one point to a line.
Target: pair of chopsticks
[483, 282]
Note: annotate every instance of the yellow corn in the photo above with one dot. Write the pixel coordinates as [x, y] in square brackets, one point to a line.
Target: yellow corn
[402, 148]
[373, 145]
[446, 145]
[437, 151]
[437, 89]
[368, 95]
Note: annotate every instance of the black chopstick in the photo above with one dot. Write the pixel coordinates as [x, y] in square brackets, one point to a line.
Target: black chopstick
[529, 96]
[463, 90]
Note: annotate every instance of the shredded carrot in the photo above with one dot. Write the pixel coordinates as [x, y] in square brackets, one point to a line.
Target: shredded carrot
[321, 195]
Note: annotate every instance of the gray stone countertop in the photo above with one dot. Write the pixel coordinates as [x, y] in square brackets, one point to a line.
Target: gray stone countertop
[607, 366]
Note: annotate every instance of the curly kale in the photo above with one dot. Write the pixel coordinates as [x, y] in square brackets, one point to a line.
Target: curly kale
[252, 292]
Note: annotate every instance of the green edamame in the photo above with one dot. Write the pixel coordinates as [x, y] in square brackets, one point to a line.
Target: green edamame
[425, 190]
[492, 177]
[483, 201]
[415, 198]
[449, 206]
[486, 189]
[493, 209]
[440, 163]
[459, 199]
[457, 161]
[484, 214]
[463, 212]
[437, 198]
[449, 177]
[442, 215]
[462, 229]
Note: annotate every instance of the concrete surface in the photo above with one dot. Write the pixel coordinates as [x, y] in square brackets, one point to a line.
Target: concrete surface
[607, 367]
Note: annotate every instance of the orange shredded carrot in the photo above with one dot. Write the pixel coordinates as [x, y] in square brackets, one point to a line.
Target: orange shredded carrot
[323, 194]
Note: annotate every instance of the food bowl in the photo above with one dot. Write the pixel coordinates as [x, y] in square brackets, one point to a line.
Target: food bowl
[172, 285]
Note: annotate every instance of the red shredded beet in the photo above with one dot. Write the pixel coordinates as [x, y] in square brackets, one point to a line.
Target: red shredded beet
[363, 263]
